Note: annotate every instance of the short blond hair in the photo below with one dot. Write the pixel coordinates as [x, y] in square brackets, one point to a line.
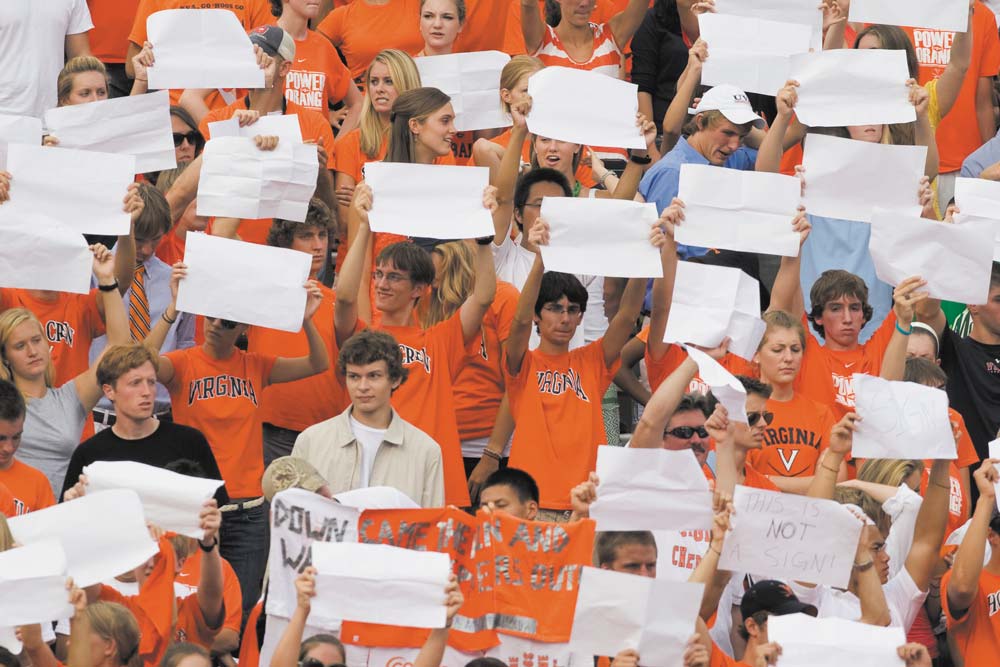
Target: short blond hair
[120, 359]
[78, 65]
[9, 320]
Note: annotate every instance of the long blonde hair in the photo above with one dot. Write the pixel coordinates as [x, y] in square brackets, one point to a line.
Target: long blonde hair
[10, 320]
[78, 65]
[405, 76]
[891, 472]
[512, 73]
[418, 105]
[456, 280]
[113, 622]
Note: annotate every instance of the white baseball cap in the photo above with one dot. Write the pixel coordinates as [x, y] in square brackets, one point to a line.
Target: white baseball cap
[732, 102]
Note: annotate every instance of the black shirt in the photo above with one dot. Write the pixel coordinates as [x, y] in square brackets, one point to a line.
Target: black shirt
[168, 443]
[973, 385]
[659, 55]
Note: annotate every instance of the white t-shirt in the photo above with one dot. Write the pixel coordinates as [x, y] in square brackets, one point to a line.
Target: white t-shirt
[370, 440]
[513, 264]
[901, 595]
[33, 34]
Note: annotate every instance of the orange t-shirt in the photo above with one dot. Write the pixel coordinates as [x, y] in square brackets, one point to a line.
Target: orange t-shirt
[977, 633]
[958, 495]
[720, 658]
[484, 27]
[435, 358]
[70, 323]
[556, 403]
[171, 248]
[249, 651]
[658, 370]
[232, 596]
[300, 404]
[751, 477]
[958, 132]
[480, 387]
[314, 127]
[112, 21]
[28, 486]
[360, 30]
[513, 36]
[8, 506]
[318, 77]
[794, 440]
[825, 376]
[219, 397]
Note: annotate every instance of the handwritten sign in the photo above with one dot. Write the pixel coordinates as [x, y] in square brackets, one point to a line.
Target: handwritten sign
[299, 518]
[901, 420]
[518, 577]
[791, 537]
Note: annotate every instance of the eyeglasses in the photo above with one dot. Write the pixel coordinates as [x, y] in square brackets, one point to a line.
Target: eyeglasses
[754, 417]
[559, 309]
[192, 137]
[392, 276]
[687, 432]
[313, 662]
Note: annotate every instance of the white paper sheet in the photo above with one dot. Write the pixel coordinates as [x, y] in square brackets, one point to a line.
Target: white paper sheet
[650, 489]
[932, 14]
[299, 519]
[616, 611]
[238, 180]
[9, 640]
[376, 498]
[284, 126]
[955, 260]
[41, 253]
[138, 125]
[169, 500]
[201, 48]
[18, 130]
[791, 11]
[749, 211]
[355, 580]
[244, 282]
[601, 237]
[712, 302]
[563, 108]
[791, 537]
[978, 199]
[81, 189]
[750, 53]
[723, 384]
[901, 420]
[97, 548]
[847, 179]
[472, 80]
[852, 87]
[33, 584]
[433, 201]
[833, 642]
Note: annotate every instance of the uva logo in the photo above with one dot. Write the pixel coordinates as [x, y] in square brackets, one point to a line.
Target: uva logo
[741, 98]
[59, 332]
[411, 356]
[557, 383]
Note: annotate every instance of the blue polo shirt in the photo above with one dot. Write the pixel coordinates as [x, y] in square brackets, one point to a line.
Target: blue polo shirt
[659, 185]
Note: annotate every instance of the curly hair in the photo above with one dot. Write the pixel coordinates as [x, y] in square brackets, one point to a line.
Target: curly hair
[319, 215]
[369, 346]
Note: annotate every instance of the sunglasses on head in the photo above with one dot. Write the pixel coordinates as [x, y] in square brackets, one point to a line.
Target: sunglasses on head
[687, 432]
[754, 417]
[193, 138]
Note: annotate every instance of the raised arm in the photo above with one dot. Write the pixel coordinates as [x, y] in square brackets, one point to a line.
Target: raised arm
[905, 298]
[707, 572]
[786, 294]
[772, 147]
[868, 585]
[624, 24]
[924, 133]
[648, 432]
[79, 631]
[929, 312]
[484, 290]
[184, 190]
[286, 653]
[88, 391]
[949, 84]
[506, 175]
[524, 316]
[663, 288]
[125, 247]
[932, 520]
[841, 437]
[964, 582]
[287, 369]
[210, 582]
[532, 26]
[687, 84]
[352, 278]
[432, 652]
[628, 184]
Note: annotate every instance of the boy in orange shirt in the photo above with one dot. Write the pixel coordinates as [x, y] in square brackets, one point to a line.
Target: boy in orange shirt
[28, 488]
[554, 392]
[970, 590]
[434, 356]
[214, 387]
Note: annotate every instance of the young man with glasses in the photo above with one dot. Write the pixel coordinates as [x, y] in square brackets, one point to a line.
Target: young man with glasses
[554, 391]
[216, 387]
[434, 356]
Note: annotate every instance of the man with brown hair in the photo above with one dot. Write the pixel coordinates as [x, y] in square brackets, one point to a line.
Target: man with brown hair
[127, 375]
[369, 444]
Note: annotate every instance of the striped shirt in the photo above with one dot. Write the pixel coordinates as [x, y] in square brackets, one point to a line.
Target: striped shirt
[606, 59]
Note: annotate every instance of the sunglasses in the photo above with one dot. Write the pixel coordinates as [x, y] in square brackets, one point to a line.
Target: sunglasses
[193, 138]
[754, 417]
[313, 662]
[687, 432]
[225, 324]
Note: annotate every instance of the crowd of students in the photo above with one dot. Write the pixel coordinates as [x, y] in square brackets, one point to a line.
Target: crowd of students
[463, 373]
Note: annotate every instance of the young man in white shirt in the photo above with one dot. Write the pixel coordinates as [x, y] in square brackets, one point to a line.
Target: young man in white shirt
[369, 444]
